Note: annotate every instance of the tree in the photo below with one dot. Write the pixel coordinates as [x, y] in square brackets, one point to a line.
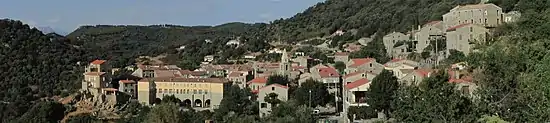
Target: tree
[319, 95]
[491, 119]
[340, 66]
[381, 92]
[277, 79]
[434, 100]
[165, 113]
[235, 101]
[171, 99]
[290, 111]
[44, 112]
[455, 56]
[272, 99]
[85, 118]
[374, 49]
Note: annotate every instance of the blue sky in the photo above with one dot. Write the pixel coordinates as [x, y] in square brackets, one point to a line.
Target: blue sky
[67, 15]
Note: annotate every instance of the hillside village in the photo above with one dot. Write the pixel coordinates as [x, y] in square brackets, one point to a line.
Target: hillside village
[415, 55]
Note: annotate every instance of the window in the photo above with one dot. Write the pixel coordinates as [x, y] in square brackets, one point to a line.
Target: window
[459, 37]
[370, 64]
[273, 88]
[170, 91]
[402, 50]
[465, 89]
[194, 91]
[205, 91]
[263, 105]
[471, 29]
[160, 91]
[200, 91]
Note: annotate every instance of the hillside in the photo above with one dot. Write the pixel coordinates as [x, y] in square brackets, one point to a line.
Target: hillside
[129, 42]
[34, 66]
[367, 16]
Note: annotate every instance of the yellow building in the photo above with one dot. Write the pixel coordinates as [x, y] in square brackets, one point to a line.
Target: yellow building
[205, 93]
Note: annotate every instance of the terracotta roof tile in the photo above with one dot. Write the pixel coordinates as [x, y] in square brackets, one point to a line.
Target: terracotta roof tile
[174, 79]
[98, 62]
[361, 61]
[94, 73]
[259, 80]
[457, 26]
[423, 72]
[357, 83]
[235, 74]
[110, 89]
[127, 81]
[328, 72]
[432, 23]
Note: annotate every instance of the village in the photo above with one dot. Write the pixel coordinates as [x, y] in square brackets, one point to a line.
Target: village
[461, 29]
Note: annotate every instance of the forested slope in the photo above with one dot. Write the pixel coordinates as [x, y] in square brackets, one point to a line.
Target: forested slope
[368, 16]
[33, 66]
[121, 44]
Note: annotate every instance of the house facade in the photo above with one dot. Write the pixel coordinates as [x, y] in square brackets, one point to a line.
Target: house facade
[364, 64]
[341, 57]
[265, 107]
[463, 37]
[199, 93]
[390, 39]
[487, 15]
[429, 32]
[97, 78]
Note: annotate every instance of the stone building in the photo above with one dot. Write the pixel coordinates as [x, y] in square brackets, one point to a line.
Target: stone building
[199, 93]
[265, 107]
[464, 37]
[97, 78]
[391, 39]
[487, 15]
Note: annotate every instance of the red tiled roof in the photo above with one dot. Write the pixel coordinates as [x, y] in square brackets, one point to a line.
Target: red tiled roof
[423, 72]
[361, 61]
[94, 73]
[98, 62]
[110, 89]
[198, 73]
[259, 80]
[127, 81]
[235, 74]
[432, 23]
[357, 83]
[175, 79]
[278, 85]
[457, 26]
[328, 72]
[341, 54]
[473, 6]
[353, 47]
[298, 67]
